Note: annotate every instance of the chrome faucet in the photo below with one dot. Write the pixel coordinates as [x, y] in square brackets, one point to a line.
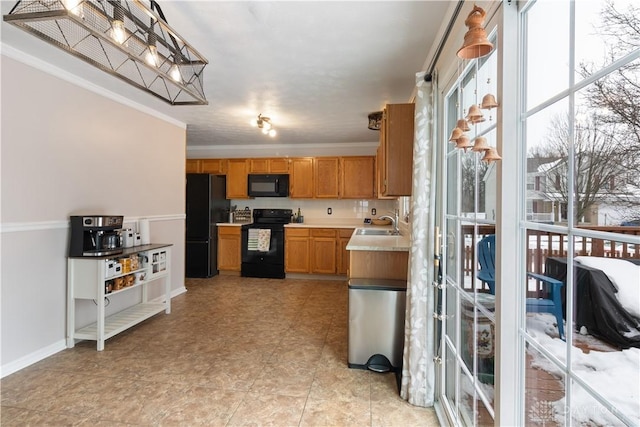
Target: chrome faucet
[394, 221]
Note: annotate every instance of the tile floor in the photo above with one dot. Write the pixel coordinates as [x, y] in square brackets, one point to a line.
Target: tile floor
[234, 351]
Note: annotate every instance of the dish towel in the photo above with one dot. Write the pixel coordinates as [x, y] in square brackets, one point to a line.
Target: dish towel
[264, 239]
[252, 240]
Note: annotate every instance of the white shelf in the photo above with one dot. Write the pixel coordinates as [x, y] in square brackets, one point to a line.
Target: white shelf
[121, 321]
[86, 279]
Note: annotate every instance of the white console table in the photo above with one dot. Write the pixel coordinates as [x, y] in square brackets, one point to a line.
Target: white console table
[88, 278]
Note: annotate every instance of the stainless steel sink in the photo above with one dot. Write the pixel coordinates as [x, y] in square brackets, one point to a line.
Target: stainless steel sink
[374, 232]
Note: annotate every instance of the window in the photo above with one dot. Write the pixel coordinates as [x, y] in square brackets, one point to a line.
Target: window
[578, 129]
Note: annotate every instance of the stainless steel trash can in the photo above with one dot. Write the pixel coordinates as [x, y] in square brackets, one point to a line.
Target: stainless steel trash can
[376, 324]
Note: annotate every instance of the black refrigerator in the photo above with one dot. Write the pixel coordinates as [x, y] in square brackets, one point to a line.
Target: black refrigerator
[206, 206]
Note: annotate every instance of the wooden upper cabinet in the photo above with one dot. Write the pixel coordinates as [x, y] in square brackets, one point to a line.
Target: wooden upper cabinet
[237, 171]
[351, 177]
[279, 165]
[357, 177]
[214, 166]
[395, 154]
[258, 165]
[301, 178]
[192, 166]
[269, 165]
[326, 177]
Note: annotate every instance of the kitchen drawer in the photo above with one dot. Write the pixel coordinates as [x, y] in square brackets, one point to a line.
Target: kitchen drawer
[297, 232]
[345, 232]
[323, 232]
[229, 231]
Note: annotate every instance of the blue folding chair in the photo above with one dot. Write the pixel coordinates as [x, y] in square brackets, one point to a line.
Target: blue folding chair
[486, 249]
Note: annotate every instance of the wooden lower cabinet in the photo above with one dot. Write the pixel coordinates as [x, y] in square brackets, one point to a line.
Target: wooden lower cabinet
[296, 251]
[342, 257]
[317, 250]
[378, 264]
[229, 248]
[323, 250]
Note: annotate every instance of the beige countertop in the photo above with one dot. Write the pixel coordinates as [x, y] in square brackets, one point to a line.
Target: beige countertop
[295, 225]
[357, 243]
[315, 223]
[318, 225]
[379, 243]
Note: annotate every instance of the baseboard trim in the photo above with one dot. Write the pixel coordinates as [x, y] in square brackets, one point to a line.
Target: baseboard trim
[32, 358]
[315, 276]
[43, 353]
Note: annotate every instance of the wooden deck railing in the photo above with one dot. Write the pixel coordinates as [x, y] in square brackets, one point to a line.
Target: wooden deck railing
[543, 244]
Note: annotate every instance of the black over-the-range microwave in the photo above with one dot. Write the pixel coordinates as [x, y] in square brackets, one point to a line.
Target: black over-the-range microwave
[272, 185]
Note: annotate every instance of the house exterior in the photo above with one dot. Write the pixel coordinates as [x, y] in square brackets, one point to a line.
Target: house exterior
[613, 200]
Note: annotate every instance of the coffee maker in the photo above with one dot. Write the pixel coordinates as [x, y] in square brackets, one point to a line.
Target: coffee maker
[95, 235]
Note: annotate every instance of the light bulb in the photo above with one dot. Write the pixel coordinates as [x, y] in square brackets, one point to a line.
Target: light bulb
[151, 56]
[272, 133]
[174, 72]
[265, 130]
[254, 123]
[118, 32]
[75, 7]
[266, 125]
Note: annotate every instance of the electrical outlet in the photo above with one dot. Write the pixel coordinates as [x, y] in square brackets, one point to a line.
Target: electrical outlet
[373, 211]
[329, 211]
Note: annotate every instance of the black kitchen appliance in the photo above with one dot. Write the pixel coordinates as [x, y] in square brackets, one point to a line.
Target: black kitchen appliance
[206, 206]
[95, 235]
[274, 185]
[263, 244]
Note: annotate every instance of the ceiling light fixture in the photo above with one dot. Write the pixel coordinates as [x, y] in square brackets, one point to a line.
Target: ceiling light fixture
[264, 123]
[375, 120]
[127, 39]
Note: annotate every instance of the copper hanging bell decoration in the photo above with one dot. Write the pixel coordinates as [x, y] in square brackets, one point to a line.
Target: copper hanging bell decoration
[488, 102]
[475, 115]
[480, 144]
[455, 134]
[491, 155]
[464, 143]
[475, 44]
[462, 124]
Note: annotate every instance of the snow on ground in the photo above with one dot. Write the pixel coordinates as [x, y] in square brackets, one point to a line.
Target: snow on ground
[614, 374]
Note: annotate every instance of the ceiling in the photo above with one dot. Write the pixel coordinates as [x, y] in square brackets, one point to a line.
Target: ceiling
[316, 68]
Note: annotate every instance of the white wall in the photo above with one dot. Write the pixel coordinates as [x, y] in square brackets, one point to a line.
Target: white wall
[66, 150]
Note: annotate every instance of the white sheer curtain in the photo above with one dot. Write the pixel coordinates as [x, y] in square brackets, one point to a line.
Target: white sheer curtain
[418, 371]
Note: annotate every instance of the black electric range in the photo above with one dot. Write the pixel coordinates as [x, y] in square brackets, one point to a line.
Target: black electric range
[263, 244]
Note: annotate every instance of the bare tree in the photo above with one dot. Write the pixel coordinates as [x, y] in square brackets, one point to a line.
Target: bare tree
[613, 99]
[473, 171]
[599, 166]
